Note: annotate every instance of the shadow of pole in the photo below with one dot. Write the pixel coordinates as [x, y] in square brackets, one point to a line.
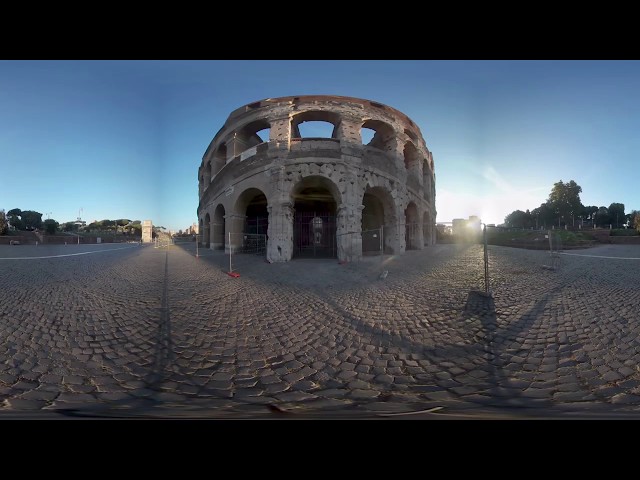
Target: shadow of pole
[164, 353]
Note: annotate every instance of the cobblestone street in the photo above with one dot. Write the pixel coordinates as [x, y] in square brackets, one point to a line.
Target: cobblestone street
[124, 326]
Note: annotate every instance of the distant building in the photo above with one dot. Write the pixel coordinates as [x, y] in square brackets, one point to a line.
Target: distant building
[460, 226]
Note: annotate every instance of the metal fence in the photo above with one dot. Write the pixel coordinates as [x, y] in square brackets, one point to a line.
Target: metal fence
[244, 248]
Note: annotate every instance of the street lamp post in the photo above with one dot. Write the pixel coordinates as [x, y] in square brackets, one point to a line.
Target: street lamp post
[79, 223]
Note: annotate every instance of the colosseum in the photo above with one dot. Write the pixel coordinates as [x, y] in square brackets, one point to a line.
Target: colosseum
[267, 172]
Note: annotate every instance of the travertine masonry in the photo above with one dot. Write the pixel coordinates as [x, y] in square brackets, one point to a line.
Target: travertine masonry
[304, 191]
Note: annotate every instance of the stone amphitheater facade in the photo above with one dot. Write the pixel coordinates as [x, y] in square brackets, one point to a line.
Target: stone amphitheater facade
[309, 195]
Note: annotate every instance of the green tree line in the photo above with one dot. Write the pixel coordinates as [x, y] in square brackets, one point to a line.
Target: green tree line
[564, 207]
[31, 220]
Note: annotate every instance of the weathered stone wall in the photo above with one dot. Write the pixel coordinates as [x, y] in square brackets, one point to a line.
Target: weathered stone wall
[396, 168]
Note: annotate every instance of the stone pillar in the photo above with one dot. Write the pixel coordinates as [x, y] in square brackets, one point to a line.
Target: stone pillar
[147, 227]
[394, 232]
[280, 232]
[420, 232]
[349, 130]
[280, 130]
[234, 226]
[396, 148]
[349, 232]
[217, 235]
[280, 133]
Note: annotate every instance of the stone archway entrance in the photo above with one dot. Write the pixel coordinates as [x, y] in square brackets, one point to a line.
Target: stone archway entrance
[314, 221]
[256, 213]
[378, 212]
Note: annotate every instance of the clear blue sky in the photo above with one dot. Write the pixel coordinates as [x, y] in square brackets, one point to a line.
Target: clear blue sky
[124, 139]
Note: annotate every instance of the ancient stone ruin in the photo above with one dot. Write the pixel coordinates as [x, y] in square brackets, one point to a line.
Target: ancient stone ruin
[267, 172]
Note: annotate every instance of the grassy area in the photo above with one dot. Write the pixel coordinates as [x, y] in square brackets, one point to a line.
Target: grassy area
[538, 239]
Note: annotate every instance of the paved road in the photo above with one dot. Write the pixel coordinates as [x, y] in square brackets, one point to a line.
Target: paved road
[161, 330]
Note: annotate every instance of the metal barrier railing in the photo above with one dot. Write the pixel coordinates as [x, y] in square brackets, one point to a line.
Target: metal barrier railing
[241, 247]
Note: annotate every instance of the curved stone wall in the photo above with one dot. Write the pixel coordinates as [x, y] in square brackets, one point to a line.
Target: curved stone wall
[261, 171]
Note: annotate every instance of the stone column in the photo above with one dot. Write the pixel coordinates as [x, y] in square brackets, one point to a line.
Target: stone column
[419, 236]
[280, 133]
[147, 229]
[280, 232]
[349, 129]
[394, 232]
[234, 224]
[349, 232]
[217, 235]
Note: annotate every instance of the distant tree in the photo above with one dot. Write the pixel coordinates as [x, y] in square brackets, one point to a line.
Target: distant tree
[50, 226]
[13, 216]
[634, 219]
[519, 219]
[616, 213]
[69, 226]
[31, 219]
[4, 226]
[588, 212]
[602, 217]
[123, 222]
[543, 216]
[564, 201]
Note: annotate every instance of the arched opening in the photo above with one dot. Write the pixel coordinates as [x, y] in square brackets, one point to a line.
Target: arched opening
[207, 175]
[219, 159]
[411, 135]
[377, 134]
[367, 135]
[249, 136]
[201, 231]
[218, 227]
[315, 201]
[252, 203]
[207, 231]
[377, 212]
[427, 229]
[411, 227]
[264, 134]
[201, 184]
[411, 157]
[426, 178]
[315, 124]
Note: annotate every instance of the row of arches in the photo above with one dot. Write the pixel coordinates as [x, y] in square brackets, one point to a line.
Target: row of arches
[313, 124]
[315, 203]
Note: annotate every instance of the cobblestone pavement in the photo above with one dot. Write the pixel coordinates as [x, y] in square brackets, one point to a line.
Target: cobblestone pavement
[129, 327]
